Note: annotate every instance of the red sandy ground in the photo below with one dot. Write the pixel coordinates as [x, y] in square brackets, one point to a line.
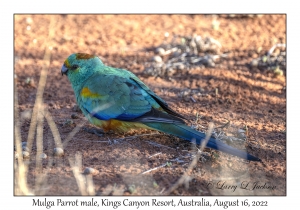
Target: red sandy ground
[246, 97]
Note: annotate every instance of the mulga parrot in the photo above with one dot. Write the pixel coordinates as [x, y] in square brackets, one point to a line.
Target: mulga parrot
[116, 99]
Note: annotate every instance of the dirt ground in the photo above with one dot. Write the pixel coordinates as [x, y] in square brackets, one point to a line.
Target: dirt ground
[252, 99]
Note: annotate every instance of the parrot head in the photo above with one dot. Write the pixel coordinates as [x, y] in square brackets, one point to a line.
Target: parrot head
[80, 66]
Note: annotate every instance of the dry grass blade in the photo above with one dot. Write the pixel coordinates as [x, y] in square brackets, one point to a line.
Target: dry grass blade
[155, 155]
[72, 134]
[32, 128]
[53, 128]
[39, 98]
[41, 180]
[185, 176]
[76, 166]
[21, 187]
[39, 140]
[90, 185]
[225, 125]
[36, 122]
[17, 126]
[153, 169]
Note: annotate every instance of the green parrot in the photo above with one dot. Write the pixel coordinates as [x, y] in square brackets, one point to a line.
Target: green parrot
[115, 99]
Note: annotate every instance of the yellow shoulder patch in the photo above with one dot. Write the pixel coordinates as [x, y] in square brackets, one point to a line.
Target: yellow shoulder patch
[88, 94]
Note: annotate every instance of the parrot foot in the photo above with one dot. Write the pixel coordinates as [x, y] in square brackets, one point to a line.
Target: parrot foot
[95, 131]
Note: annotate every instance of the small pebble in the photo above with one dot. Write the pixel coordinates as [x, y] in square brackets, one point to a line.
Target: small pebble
[264, 59]
[26, 115]
[30, 81]
[29, 20]
[90, 171]
[180, 66]
[186, 51]
[157, 59]
[241, 134]
[148, 71]
[160, 51]
[254, 63]
[171, 71]
[215, 24]
[210, 63]
[186, 92]
[278, 72]
[51, 104]
[74, 116]
[76, 108]
[58, 152]
[25, 154]
[24, 148]
[193, 44]
[186, 98]
[176, 53]
[68, 122]
[43, 156]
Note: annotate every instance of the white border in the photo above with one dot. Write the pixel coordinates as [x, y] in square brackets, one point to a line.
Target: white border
[8, 201]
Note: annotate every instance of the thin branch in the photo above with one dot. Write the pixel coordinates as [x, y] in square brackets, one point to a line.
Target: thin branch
[154, 155]
[153, 169]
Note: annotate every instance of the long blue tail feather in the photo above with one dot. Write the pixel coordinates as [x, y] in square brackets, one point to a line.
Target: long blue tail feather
[187, 133]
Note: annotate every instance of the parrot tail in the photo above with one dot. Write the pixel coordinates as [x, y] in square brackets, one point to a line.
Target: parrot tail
[187, 133]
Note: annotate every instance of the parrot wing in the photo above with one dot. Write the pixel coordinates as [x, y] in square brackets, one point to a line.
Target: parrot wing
[115, 97]
[159, 100]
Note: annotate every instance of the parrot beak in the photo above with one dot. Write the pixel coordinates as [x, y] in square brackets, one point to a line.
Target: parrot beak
[64, 70]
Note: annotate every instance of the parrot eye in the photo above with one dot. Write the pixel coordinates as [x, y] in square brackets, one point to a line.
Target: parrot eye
[74, 67]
